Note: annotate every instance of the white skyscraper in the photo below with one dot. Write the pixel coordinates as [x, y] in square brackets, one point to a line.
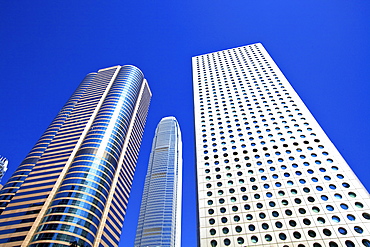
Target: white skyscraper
[267, 174]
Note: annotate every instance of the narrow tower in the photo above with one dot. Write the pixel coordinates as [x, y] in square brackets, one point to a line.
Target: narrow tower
[160, 212]
[267, 174]
[72, 188]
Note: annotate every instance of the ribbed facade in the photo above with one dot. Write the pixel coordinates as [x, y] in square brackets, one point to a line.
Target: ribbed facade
[72, 188]
[3, 166]
[160, 213]
[267, 174]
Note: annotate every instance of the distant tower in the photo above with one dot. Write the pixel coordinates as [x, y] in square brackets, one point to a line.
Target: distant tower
[3, 166]
[73, 187]
[160, 212]
[267, 174]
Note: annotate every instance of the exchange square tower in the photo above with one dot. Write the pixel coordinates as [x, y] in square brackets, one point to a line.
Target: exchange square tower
[73, 187]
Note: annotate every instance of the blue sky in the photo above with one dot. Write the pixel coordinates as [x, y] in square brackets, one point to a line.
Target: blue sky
[47, 47]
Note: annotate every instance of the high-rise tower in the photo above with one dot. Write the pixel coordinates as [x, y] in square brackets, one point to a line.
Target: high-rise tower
[267, 174]
[160, 213]
[3, 166]
[72, 188]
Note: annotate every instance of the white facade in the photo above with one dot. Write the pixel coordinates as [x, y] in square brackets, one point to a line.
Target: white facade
[267, 174]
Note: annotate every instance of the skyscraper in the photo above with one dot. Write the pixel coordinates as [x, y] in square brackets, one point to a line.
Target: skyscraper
[3, 166]
[160, 212]
[72, 188]
[267, 174]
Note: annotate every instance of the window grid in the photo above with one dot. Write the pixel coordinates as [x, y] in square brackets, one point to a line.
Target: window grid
[267, 173]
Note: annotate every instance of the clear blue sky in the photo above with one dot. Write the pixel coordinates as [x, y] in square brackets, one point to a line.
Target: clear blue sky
[47, 47]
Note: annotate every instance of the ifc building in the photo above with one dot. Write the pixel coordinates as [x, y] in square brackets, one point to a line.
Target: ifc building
[160, 212]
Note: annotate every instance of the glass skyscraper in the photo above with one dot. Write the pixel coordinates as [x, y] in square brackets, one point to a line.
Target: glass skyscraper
[3, 166]
[72, 188]
[267, 174]
[160, 213]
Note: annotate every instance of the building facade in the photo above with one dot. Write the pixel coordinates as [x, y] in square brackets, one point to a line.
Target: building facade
[3, 166]
[160, 212]
[72, 188]
[267, 174]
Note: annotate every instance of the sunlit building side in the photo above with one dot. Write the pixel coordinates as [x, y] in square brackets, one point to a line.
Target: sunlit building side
[73, 187]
